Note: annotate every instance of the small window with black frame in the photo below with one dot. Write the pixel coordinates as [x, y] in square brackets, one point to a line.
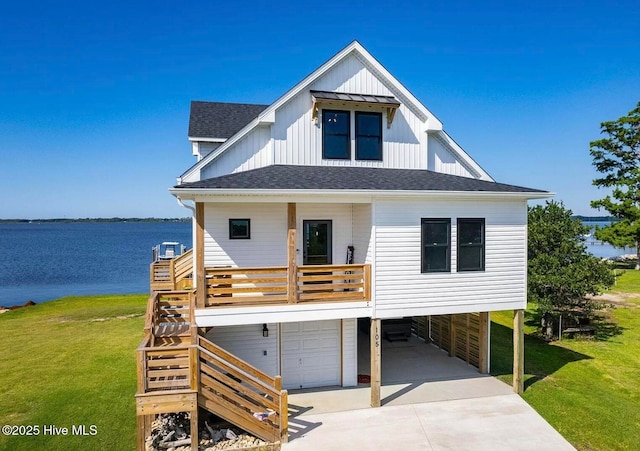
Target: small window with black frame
[436, 245]
[368, 136]
[471, 244]
[239, 229]
[336, 135]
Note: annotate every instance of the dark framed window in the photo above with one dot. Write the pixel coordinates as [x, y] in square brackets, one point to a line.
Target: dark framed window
[336, 135]
[471, 244]
[239, 229]
[368, 136]
[436, 245]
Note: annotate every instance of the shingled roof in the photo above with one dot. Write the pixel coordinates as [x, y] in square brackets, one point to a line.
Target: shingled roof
[220, 119]
[285, 177]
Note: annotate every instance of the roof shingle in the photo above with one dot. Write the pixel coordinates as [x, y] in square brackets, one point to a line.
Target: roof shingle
[285, 177]
[220, 119]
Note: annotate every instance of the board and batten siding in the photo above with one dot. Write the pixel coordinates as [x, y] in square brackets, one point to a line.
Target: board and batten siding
[298, 140]
[251, 152]
[247, 343]
[294, 138]
[442, 160]
[268, 243]
[402, 290]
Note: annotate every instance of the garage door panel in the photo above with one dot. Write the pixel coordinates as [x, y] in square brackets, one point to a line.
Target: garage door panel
[311, 354]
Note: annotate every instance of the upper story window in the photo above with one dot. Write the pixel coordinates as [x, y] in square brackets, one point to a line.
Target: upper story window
[336, 134]
[471, 245]
[368, 136]
[436, 245]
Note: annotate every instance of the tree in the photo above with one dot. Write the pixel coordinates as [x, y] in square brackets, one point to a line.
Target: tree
[617, 157]
[562, 274]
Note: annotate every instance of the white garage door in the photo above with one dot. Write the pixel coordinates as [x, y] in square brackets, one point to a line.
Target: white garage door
[311, 354]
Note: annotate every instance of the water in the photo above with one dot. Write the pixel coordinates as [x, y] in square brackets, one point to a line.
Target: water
[600, 249]
[40, 262]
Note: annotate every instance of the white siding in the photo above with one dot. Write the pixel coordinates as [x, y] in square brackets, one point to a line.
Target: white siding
[362, 241]
[349, 352]
[401, 288]
[251, 152]
[298, 141]
[441, 159]
[247, 343]
[268, 243]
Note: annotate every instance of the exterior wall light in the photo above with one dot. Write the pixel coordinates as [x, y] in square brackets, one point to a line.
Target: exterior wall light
[265, 330]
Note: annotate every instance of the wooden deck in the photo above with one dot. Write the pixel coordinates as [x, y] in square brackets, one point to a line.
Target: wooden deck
[265, 285]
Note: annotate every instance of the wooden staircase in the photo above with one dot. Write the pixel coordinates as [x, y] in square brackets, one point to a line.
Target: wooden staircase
[179, 370]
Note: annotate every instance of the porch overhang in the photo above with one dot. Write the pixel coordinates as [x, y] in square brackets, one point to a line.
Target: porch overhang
[338, 196]
[283, 313]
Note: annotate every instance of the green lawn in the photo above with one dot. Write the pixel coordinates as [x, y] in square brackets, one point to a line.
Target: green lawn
[588, 389]
[71, 362]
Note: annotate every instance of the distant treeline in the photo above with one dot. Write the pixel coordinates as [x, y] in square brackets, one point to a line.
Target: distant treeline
[67, 220]
[594, 218]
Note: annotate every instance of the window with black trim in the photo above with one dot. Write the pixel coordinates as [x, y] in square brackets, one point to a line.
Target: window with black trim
[336, 135]
[368, 136]
[471, 244]
[239, 229]
[436, 245]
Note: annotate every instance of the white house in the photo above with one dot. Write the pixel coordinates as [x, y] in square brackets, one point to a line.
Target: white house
[346, 201]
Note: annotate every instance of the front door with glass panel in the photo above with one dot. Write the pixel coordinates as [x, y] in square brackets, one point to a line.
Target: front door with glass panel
[317, 242]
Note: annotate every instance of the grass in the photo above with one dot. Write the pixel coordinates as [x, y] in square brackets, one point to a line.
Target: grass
[588, 389]
[71, 362]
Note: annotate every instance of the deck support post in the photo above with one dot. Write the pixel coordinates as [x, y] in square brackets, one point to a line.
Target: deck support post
[201, 277]
[518, 351]
[292, 268]
[483, 343]
[376, 366]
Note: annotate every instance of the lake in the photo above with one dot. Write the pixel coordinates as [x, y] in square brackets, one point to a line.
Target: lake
[44, 261]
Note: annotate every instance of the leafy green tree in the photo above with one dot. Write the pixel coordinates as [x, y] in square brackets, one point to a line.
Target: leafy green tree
[617, 157]
[562, 274]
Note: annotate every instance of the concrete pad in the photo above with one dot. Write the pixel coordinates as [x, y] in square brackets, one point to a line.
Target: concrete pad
[502, 422]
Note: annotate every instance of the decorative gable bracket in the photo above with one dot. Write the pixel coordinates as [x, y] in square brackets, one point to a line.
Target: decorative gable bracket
[360, 102]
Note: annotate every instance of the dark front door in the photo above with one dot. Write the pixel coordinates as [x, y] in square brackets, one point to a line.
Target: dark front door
[317, 242]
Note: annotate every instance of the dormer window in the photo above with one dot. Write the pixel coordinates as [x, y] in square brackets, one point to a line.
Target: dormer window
[336, 135]
[368, 136]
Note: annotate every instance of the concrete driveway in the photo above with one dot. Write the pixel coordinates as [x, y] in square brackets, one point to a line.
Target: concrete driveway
[500, 422]
[430, 401]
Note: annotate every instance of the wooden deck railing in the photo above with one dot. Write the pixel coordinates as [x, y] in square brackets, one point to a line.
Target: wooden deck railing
[268, 285]
[174, 274]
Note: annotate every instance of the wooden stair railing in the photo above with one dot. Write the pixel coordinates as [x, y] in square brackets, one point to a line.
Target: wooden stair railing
[241, 393]
[178, 372]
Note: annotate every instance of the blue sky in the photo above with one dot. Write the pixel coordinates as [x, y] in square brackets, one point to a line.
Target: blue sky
[94, 97]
